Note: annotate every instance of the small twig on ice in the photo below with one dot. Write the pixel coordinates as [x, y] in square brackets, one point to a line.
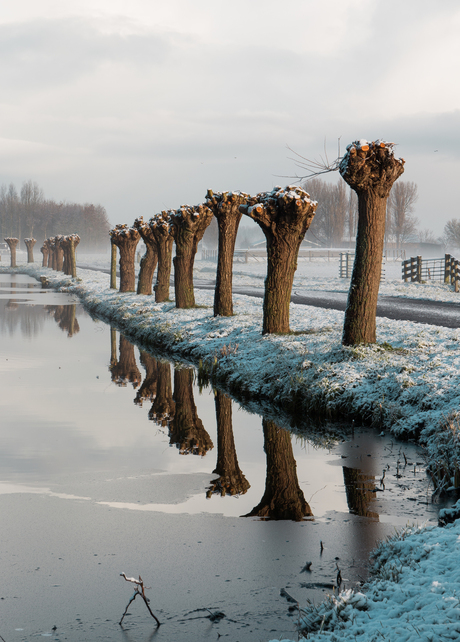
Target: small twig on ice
[139, 590]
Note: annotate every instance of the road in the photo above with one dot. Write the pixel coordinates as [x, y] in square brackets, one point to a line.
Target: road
[401, 309]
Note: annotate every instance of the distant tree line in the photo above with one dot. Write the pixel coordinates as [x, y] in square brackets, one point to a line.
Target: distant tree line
[337, 213]
[28, 213]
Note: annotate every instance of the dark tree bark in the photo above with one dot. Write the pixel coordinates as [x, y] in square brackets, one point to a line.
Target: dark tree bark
[125, 370]
[68, 244]
[12, 244]
[126, 239]
[30, 249]
[113, 265]
[59, 251]
[148, 389]
[225, 207]
[161, 230]
[360, 492]
[188, 226]
[113, 349]
[186, 430]
[283, 497]
[231, 480]
[149, 260]
[45, 250]
[51, 255]
[284, 216]
[370, 169]
[163, 407]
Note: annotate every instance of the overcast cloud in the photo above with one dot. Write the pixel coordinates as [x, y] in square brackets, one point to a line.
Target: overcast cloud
[142, 106]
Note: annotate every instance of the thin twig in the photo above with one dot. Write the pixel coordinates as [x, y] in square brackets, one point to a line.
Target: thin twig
[139, 590]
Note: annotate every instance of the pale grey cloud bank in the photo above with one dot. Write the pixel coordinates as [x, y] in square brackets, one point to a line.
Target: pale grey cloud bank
[143, 107]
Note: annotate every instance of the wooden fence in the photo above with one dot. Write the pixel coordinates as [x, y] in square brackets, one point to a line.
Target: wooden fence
[445, 270]
[346, 265]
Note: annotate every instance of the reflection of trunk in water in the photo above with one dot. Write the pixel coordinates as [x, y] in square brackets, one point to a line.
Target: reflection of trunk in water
[148, 389]
[126, 370]
[231, 480]
[65, 317]
[186, 430]
[163, 407]
[283, 497]
[359, 488]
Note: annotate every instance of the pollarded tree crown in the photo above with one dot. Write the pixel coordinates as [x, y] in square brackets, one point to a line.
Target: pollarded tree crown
[292, 201]
[122, 232]
[371, 166]
[219, 200]
[190, 217]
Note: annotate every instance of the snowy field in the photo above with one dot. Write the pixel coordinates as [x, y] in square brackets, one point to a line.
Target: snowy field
[408, 383]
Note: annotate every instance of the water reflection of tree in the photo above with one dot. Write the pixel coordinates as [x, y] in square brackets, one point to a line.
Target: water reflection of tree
[163, 406]
[65, 317]
[186, 429]
[231, 480]
[148, 389]
[125, 370]
[360, 492]
[283, 497]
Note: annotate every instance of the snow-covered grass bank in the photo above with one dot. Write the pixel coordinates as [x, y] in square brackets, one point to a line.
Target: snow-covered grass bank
[408, 383]
[414, 594]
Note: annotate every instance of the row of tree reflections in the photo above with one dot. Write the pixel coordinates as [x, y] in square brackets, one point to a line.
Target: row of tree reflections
[33, 317]
[172, 406]
[284, 216]
[58, 252]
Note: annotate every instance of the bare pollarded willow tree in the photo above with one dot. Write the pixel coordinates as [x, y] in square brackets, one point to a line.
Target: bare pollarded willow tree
[149, 260]
[161, 231]
[45, 250]
[69, 244]
[225, 207]
[370, 169]
[283, 498]
[30, 249]
[188, 224]
[12, 244]
[126, 239]
[284, 215]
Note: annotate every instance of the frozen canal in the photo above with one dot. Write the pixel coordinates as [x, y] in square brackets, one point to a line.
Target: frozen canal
[107, 460]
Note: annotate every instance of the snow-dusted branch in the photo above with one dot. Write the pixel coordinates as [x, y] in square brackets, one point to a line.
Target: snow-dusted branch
[139, 590]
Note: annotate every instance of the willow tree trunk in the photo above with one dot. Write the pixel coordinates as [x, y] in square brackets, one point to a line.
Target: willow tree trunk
[370, 169]
[231, 480]
[125, 370]
[51, 253]
[186, 430]
[283, 497]
[163, 407]
[45, 251]
[126, 239]
[360, 490]
[149, 260]
[284, 216]
[12, 244]
[30, 249]
[59, 250]
[189, 225]
[113, 266]
[148, 389]
[160, 226]
[225, 207]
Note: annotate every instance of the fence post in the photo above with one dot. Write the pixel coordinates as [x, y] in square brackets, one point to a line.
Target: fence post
[446, 268]
[413, 268]
[456, 275]
[419, 269]
[405, 271]
[452, 270]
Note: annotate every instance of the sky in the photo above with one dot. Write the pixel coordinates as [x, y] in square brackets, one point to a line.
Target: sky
[143, 105]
